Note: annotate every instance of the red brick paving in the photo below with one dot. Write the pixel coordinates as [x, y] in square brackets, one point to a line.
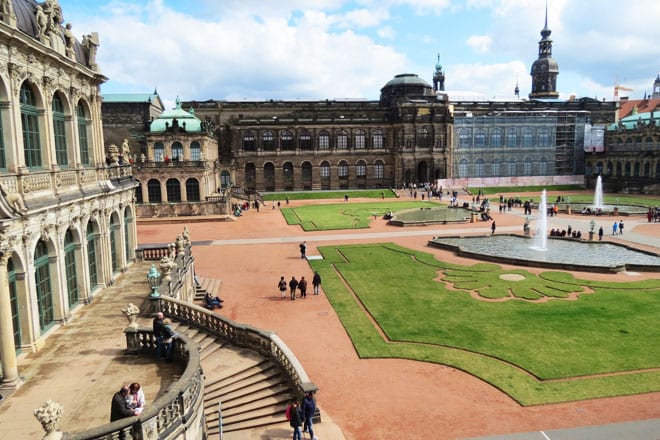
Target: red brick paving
[373, 398]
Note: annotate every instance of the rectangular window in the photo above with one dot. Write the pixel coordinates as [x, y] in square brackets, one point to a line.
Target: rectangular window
[31, 143]
[60, 142]
[3, 161]
[361, 170]
[378, 171]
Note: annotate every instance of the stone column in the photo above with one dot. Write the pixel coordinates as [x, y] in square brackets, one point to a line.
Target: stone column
[7, 348]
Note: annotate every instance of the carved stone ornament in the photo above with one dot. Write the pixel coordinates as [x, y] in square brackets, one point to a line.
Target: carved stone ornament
[131, 312]
[49, 415]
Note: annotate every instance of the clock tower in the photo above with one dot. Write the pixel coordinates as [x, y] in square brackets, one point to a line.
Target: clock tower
[545, 69]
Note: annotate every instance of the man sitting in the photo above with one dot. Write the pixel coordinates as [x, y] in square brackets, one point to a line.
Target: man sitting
[211, 302]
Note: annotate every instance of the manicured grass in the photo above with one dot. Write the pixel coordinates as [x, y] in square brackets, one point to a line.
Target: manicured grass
[345, 215]
[604, 343]
[571, 195]
[522, 189]
[320, 195]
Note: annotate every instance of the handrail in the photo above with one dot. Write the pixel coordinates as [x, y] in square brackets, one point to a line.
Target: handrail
[264, 342]
[172, 413]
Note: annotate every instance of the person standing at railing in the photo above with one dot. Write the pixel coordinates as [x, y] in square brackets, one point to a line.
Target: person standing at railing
[158, 334]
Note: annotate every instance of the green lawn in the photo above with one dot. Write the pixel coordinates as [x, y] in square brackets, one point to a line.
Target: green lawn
[603, 344]
[345, 215]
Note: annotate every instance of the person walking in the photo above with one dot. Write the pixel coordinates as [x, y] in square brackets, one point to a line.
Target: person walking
[615, 226]
[492, 227]
[308, 410]
[621, 227]
[282, 287]
[293, 285]
[294, 414]
[158, 334]
[302, 286]
[303, 249]
[316, 282]
[600, 234]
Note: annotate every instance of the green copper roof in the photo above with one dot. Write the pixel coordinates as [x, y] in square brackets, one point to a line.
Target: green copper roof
[184, 119]
[636, 119]
[129, 97]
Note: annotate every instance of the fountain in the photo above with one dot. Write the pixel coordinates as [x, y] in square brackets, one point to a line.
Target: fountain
[541, 233]
[598, 193]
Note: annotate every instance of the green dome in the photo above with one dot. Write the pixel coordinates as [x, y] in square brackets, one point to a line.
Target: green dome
[177, 117]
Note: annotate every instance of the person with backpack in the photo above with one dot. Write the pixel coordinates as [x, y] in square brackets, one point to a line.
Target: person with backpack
[295, 417]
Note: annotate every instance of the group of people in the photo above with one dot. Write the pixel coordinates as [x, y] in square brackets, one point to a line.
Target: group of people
[127, 402]
[165, 335]
[617, 227]
[302, 414]
[295, 285]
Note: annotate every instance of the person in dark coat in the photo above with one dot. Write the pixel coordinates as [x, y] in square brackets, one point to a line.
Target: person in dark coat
[120, 408]
[295, 420]
[308, 410]
[157, 327]
[302, 286]
[293, 285]
[316, 282]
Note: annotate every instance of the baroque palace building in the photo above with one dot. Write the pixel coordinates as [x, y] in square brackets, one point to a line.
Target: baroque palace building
[67, 216]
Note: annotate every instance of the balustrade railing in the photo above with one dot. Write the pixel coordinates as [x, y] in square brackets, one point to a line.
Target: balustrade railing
[176, 414]
[266, 343]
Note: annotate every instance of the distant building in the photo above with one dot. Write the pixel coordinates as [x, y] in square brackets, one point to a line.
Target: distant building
[67, 217]
[127, 116]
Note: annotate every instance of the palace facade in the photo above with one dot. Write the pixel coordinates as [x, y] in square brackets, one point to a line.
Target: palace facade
[67, 216]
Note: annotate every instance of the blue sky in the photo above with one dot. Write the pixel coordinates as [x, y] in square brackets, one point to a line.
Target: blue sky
[326, 49]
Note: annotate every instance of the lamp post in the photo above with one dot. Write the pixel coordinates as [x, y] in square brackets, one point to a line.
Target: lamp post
[153, 276]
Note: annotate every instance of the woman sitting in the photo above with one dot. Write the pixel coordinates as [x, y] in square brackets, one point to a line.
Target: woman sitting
[135, 399]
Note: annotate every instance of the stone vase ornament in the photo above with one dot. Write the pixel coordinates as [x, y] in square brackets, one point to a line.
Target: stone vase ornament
[131, 311]
[49, 415]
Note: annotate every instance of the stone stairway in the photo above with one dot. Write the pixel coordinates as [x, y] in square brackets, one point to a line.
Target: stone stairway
[251, 389]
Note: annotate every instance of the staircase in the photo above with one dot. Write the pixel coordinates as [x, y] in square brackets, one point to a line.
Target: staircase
[252, 391]
[210, 285]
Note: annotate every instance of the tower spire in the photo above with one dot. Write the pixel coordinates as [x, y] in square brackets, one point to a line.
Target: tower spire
[545, 69]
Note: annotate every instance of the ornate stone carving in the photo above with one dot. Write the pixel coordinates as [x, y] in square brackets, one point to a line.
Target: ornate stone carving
[90, 44]
[15, 200]
[49, 415]
[131, 312]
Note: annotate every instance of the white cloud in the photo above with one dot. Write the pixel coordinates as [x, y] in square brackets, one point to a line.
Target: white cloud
[480, 43]
[493, 80]
[386, 32]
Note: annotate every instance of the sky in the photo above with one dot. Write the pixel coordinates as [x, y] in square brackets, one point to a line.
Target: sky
[339, 49]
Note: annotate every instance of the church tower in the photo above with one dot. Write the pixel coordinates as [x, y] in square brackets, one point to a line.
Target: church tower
[438, 77]
[545, 69]
[656, 88]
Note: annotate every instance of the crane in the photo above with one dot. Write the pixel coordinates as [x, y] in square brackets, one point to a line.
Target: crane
[618, 87]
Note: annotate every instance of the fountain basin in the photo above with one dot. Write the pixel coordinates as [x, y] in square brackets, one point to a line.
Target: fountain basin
[430, 216]
[561, 253]
[624, 210]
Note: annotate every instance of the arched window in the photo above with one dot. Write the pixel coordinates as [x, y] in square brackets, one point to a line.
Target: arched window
[177, 151]
[377, 139]
[91, 256]
[618, 169]
[30, 125]
[159, 152]
[360, 140]
[84, 125]
[153, 188]
[512, 138]
[287, 174]
[114, 239]
[269, 176]
[480, 138]
[225, 179]
[70, 264]
[647, 169]
[627, 169]
[128, 222]
[173, 188]
[13, 300]
[59, 131]
[379, 170]
[192, 190]
[361, 169]
[43, 287]
[249, 141]
[479, 168]
[325, 170]
[599, 167]
[528, 166]
[195, 151]
[342, 141]
[496, 138]
[528, 138]
[544, 137]
[636, 169]
[464, 138]
[495, 168]
[543, 166]
[463, 168]
[306, 169]
[511, 171]
[324, 140]
[286, 141]
[305, 140]
[342, 170]
[268, 141]
[138, 193]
